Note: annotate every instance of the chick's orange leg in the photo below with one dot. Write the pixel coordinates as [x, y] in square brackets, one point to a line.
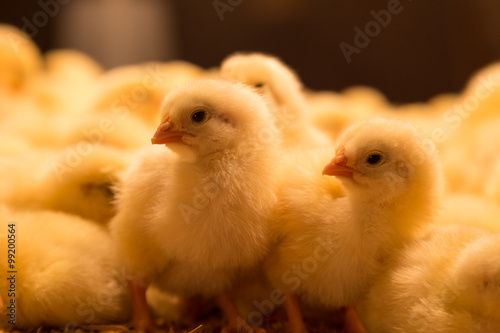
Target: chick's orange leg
[236, 322]
[295, 319]
[352, 323]
[141, 317]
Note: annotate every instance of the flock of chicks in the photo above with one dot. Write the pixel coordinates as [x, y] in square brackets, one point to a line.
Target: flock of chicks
[322, 199]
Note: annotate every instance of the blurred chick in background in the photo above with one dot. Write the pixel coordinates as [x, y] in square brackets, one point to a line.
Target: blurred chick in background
[472, 124]
[140, 89]
[66, 78]
[59, 131]
[67, 272]
[481, 96]
[332, 246]
[447, 282]
[283, 91]
[468, 209]
[195, 222]
[333, 112]
[20, 59]
[75, 181]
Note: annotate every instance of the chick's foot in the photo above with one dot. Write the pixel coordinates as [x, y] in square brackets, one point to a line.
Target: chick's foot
[295, 319]
[352, 323]
[236, 322]
[141, 317]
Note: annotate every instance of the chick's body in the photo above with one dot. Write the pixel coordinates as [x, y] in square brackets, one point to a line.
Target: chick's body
[191, 222]
[193, 218]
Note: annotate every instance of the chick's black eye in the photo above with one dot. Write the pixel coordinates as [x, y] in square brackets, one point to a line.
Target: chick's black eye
[374, 159]
[199, 116]
[259, 85]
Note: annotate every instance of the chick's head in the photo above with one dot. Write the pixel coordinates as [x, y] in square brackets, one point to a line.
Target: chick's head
[388, 161]
[208, 115]
[266, 73]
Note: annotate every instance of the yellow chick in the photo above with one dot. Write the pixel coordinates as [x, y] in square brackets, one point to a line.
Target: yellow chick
[480, 101]
[61, 271]
[283, 91]
[25, 123]
[193, 219]
[64, 84]
[20, 58]
[79, 180]
[470, 159]
[473, 123]
[331, 246]
[472, 210]
[333, 112]
[447, 282]
[139, 89]
[122, 131]
[82, 180]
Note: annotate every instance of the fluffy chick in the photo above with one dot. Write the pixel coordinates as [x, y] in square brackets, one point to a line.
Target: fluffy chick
[333, 112]
[472, 144]
[481, 98]
[471, 210]
[20, 58]
[123, 131]
[139, 89]
[66, 272]
[64, 84]
[447, 282]
[283, 91]
[193, 221]
[79, 180]
[83, 182]
[331, 246]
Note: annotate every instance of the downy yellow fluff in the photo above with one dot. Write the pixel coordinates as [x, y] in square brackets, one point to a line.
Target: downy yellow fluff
[140, 89]
[20, 59]
[332, 246]
[66, 272]
[447, 282]
[78, 180]
[193, 222]
[64, 84]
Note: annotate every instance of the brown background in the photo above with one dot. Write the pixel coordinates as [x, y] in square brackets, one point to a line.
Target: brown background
[430, 47]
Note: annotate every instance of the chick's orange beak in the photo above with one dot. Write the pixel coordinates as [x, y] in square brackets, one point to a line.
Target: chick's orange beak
[337, 166]
[165, 133]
